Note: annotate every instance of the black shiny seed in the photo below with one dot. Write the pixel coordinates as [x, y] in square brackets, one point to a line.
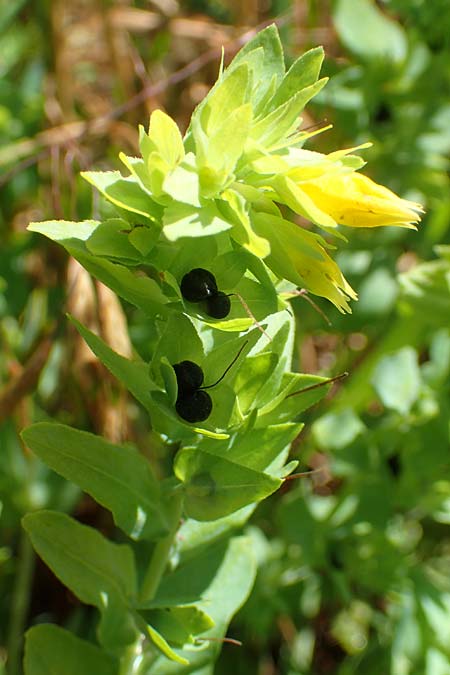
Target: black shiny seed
[218, 306]
[189, 377]
[194, 407]
[198, 285]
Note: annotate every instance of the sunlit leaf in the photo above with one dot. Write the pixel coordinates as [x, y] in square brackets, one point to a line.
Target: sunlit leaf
[119, 478]
[50, 649]
[215, 486]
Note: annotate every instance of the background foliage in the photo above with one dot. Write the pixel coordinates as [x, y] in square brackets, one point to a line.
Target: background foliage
[353, 563]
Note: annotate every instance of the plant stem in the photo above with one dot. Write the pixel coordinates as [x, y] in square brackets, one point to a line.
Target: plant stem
[20, 603]
[161, 553]
[130, 658]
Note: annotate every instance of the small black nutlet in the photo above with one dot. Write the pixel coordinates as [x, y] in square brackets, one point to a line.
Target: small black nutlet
[193, 403]
[189, 377]
[195, 407]
[198, 285]
[218, 306]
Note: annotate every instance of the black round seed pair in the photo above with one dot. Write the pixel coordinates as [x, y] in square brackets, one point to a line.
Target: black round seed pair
[199, 285]
[193, 403]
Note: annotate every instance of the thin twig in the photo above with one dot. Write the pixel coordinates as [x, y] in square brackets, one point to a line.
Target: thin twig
[303, 293]
[26, 381]
[227, 640]
[21, 166]
[319, 384]
[304, 474]
[251, 315]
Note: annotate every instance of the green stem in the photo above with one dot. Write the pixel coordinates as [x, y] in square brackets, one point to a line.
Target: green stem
[130, 658]
[161, 553]
[20, 603]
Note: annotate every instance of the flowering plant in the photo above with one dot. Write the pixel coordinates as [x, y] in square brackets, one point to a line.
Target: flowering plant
[224, 200]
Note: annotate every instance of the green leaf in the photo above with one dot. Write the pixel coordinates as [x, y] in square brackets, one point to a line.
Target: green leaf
[149, 179]
[229, 268]
[132, 374]
[182, 184]
[226, 96]
[98, 572]
[179, 341]
[86, 562]
[191, 580]
[170, 380]
[437, 369]
[377, 293]
[235, 210]
[166, 137]
[271, 69]
[65, 230]
[111, 239]
[282, 121]
[51, 650]
[214, 364]
[227, 144]
[164, 647]
[252, 377]
[218, 579]
[300, 257]
[180, 625]
[258, 448]
[184, 221]
[300, 526]
[303, 73]
[143, 239]
[124, 192]
[285, 406]
[140, 291]
[366, 31]
[194, 534]
[215, 486]
[119, 478]
[397, 380]
[186, 256]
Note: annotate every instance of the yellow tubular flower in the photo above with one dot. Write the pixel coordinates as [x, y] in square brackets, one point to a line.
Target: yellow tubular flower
[357, 201]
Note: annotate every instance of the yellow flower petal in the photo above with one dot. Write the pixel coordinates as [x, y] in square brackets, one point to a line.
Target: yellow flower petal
[300, 257]
[357, 201]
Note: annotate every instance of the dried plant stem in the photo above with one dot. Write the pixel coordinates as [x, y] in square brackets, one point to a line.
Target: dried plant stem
[26, 381]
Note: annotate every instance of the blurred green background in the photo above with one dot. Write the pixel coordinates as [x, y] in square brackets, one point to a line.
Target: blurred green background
[354, 561]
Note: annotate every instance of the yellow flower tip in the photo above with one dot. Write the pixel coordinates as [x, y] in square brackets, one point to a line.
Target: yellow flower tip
[357, 201]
